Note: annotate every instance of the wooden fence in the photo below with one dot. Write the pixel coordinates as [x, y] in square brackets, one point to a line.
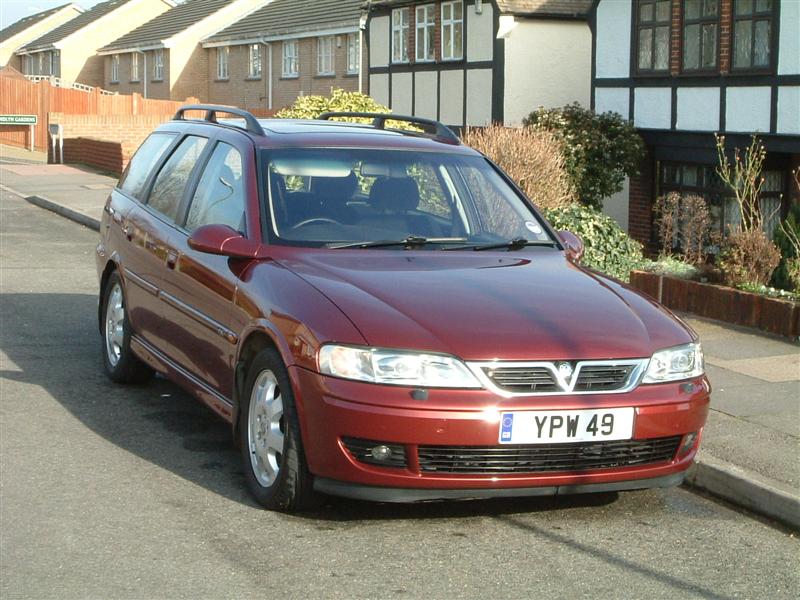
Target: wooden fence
[22, 97]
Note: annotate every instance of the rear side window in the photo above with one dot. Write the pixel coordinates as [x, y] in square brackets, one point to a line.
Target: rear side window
[219, 199]
[171, 181]
[148, 154]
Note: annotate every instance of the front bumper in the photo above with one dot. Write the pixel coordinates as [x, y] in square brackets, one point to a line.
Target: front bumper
[331, 409]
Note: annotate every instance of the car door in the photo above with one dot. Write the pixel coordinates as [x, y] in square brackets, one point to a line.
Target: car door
[134, 235]
[200, 290]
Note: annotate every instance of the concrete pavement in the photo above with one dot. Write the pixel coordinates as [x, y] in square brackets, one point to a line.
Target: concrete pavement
[750, 453]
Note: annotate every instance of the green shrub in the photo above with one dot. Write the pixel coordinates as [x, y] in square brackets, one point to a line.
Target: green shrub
[671, 267]
[608, 248]
[781, 278]
[311, 107]
[600, 150]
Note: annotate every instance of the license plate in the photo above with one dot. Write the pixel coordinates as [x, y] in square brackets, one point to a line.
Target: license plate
[564, 426]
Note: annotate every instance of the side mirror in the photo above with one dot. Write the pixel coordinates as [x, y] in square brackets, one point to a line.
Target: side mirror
[222, 240]
[574, 245]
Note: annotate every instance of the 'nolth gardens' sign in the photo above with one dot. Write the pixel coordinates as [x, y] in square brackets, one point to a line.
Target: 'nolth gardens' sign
[19, 120]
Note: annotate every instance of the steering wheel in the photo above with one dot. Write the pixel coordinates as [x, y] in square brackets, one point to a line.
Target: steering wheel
[315, 220]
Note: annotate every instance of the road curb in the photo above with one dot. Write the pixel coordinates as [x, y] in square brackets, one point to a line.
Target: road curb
[746, 489]
[64, 211]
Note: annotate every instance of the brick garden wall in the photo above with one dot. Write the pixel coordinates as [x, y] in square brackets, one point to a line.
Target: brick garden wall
[104, 141]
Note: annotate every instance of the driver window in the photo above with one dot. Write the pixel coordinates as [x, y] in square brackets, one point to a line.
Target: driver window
[220, 198]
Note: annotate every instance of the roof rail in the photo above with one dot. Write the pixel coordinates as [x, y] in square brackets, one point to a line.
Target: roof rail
[429, 126]
[211, 110]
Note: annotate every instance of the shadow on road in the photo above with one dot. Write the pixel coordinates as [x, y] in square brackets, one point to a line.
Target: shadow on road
[54, 342]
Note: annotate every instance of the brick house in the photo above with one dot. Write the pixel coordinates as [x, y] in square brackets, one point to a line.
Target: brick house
[70, 50]
[163, 58]
[472, 62]
[684, 69]
[286, 49]
[30, 28]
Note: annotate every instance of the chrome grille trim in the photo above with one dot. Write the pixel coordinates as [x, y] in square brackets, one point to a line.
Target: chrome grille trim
[588, 377]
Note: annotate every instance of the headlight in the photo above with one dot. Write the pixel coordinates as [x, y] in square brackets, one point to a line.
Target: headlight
[395, 367]
[673, 364]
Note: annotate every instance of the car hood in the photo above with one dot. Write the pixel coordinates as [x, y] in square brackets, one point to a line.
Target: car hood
[527, 305]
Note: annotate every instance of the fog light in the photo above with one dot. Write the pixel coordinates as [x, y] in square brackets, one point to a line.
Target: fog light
[381, 453]
[688, 443]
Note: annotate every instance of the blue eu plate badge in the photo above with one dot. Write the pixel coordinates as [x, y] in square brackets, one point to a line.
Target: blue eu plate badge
[507, 424]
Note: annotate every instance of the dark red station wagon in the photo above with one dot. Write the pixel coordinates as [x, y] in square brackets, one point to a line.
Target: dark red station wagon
[381, 314]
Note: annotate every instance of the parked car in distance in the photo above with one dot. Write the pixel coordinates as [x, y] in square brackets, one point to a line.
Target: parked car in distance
[381, 314]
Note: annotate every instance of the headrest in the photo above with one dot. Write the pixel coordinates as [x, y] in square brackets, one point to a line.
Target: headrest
[395, 194]
[335, 189]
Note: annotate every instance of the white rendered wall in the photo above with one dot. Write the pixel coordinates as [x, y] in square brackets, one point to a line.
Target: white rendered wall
[652, 108]
[747, 109]
[613, 38]
[789, 109]
[480, 33]
[451, 91]
[547, 63]
[425, 94]
[479, 98]
[379, 42]
[401, 93]
[379, 88]
[789, 52]
[698, 109]
[612, 100]
[617, 206]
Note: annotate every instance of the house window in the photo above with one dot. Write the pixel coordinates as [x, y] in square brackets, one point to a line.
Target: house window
[353, 53]
[325, 55]
[452, 30]
[222, 61]
[254, 70]
[55, 63]
[115, 68]
[752, 34]
[400, 35]
[652, 26]
[700, 34]
[290, 58]
[426, 32]
[134, 66]
[158, 65]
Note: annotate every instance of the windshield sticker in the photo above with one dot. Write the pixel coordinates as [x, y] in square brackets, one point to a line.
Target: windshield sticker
[533, 227]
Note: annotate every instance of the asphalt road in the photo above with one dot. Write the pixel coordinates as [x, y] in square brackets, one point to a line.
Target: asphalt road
[136, 492]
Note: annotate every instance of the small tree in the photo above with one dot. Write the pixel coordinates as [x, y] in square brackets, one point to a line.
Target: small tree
[533, 159]
[600, 150]
[311, 107]
[684, 223]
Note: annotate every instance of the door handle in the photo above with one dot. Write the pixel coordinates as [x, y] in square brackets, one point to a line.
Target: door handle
[128, 231]
[172, 259]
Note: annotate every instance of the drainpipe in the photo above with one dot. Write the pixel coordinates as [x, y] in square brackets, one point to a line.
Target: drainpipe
[362, 25]
[268, 45]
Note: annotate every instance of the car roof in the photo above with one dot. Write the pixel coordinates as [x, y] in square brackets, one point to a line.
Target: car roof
[300, 133]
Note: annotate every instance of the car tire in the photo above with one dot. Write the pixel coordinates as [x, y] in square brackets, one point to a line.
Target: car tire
[269, 436]
[121, 365]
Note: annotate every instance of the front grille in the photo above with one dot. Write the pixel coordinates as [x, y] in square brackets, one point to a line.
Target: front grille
[544, 458]
[524, 379]
[361, 451]
[540, 379]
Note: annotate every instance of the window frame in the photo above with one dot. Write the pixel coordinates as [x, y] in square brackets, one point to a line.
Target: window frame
[290, 60]
[400, 55]
[254, 62]
[452, 22]
[702, 21]
[223, 54]
[114, 68]
[135, 74]
[158, 65]
[324, 41]
[421, 33]
[196, 177]
[652, 25]
[353, 53]
[753, 17]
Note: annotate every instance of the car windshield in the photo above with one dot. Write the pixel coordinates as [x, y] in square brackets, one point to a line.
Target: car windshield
[383, 198]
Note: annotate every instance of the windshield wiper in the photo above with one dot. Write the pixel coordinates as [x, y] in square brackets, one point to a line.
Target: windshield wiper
[515, 244]
[408, 243]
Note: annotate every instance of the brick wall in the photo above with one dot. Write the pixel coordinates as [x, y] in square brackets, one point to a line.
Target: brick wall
[104, 141]
[642, 193]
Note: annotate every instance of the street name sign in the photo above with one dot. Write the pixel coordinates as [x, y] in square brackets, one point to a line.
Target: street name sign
[19, 120]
